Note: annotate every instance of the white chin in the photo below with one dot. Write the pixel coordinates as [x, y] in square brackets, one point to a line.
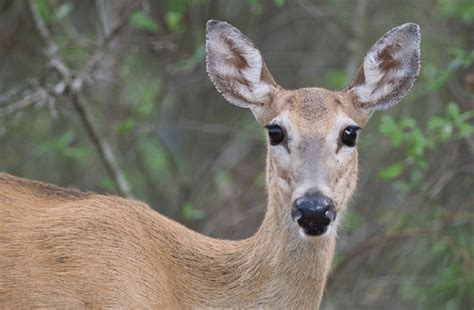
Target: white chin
[326, 234]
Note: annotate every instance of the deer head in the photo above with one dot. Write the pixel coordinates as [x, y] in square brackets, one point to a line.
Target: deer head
[312, 132]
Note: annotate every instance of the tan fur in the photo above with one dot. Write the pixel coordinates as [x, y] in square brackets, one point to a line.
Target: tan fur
[62, 248]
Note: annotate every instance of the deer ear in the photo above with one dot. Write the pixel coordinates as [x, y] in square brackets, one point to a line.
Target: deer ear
[236, 68]
[389, 69]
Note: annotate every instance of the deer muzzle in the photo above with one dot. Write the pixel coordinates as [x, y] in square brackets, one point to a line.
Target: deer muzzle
[314, 212]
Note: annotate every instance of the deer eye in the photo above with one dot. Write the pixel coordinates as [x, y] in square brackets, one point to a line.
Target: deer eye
[276, 134]
[349, 135]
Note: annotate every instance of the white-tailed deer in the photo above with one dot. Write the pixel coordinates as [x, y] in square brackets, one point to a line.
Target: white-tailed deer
[68, 249]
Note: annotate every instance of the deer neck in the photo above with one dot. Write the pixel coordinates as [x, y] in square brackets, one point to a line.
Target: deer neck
[275, 267]
[294, 268]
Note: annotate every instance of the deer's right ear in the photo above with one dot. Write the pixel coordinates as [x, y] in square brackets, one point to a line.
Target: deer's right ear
[236, 67]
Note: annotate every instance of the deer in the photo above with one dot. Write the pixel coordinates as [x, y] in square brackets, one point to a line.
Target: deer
[64, 248]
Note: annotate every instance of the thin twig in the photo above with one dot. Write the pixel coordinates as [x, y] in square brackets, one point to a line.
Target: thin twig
[102, 146]
[100, 52]
[73, 88]
[382, 238]
[373, 242]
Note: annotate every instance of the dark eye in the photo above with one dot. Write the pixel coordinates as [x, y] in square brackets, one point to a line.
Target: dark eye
[276, 134]
[349, 135]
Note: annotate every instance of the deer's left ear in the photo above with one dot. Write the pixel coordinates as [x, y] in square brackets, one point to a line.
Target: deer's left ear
[389, 69]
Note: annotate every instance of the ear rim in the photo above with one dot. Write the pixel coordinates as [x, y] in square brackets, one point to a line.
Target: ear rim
[265, 75]
[408, 29]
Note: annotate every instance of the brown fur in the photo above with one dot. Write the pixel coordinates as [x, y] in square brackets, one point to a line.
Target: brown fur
[89, 250]
[388, 62]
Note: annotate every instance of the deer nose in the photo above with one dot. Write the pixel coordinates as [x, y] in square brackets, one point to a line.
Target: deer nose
[313, 212]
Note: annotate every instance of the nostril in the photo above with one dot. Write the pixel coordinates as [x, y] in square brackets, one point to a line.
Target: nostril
[313, 213]
[296, 214]
[331, 214]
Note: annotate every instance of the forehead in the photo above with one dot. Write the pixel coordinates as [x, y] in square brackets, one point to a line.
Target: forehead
[317, 109]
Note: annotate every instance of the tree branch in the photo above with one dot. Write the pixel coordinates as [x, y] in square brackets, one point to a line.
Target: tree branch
[373, 242]
[100, 52]
[73, 88]
[380, 239]
[102, 146]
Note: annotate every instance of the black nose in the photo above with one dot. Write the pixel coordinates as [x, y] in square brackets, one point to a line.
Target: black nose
[314, 212]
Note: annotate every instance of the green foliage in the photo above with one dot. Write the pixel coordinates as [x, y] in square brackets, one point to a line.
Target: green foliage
[107, 184]
[408, 137]
[188, 212]
[188, 64]
[256, 7]
[142, 87]
[391, 172]
[126, 127]
[63, 145]
[175, 11]
[42, 8]
[63, 10]
[437, 77]
[352, 221]
[173, 20]
[260, 180]
[222, 180]
[140, 21]
[50, 15]
[279, 3]
[155, 158]
[335, 79]
[457, 8]
[451, 279]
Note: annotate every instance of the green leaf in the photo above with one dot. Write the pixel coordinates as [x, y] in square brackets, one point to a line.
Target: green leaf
[63, 10]
[140, 21]
[126, 126]
[396, 138]
[352, 221]
[408, 123]
[391, 172]
[279, 3]
[260, 180]
[222, 179]
[335, 79]
[74, 152]
[256, 7]
[452, 111]
[446, 132]
[465, 129]
[417, 142]
[436, 122]
[107, 184]
[388, 125]
[173, 20]
[188, 212]
[42, 8]
[155, 158]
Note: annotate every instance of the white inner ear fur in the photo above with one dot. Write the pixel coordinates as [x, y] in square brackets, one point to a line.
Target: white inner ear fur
[394, 79]
[235, 66]
[374, 88]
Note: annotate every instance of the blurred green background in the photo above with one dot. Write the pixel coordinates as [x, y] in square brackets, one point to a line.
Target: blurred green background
[113, 97]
